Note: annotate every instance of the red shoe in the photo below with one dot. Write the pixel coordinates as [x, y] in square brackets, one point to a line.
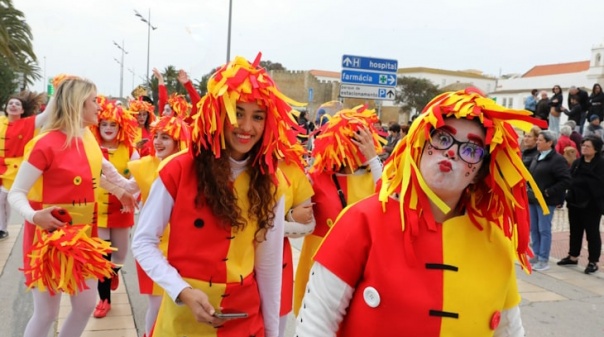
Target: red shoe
[102, 309]
[115, 281]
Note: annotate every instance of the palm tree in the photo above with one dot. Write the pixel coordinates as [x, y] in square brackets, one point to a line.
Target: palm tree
[16, 42]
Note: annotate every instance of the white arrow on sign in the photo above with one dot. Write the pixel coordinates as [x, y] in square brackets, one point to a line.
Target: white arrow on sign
[391, 79]
[347, 62]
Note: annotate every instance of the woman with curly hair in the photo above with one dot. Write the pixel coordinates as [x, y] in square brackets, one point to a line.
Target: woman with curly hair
[225, 210]
[16, 129]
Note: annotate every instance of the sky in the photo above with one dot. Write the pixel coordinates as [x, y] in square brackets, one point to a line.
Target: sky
[493, 36]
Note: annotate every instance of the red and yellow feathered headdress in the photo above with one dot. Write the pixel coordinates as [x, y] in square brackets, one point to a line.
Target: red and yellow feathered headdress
[499, 199]
[179, 105]
[116, 113]
[138, 105]
[333, 146]
[242, 81]
[175, 127]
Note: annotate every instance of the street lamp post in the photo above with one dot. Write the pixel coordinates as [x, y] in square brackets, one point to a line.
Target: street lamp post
[132, 72]
[228, 56]
[149, 26]
[121, 67]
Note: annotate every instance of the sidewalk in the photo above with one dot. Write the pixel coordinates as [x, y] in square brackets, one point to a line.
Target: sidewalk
[559, 302]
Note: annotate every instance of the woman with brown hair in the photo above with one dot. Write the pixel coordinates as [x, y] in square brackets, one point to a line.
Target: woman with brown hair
[225, 212]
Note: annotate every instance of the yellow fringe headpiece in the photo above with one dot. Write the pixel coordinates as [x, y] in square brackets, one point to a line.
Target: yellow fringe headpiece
[116, 113]
[179, 105]
[500, 198]
[174, 127]
[333, 146]
[242, 81]
[139, 91]
[138, 105]
[58, 79]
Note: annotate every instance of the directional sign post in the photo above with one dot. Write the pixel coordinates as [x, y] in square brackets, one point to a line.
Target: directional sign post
[368, 77]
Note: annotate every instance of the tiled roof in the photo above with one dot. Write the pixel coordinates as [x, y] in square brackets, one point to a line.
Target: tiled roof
[325, 73]
[559, 68]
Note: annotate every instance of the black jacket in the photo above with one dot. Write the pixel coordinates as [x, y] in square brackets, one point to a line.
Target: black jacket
[552, 176]
[542, 110]
[528, 155]
[574, 113]
[596, 106]
[587, 184]
[583, 99]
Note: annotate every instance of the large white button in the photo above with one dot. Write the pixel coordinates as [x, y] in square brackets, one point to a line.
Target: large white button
[371, 297]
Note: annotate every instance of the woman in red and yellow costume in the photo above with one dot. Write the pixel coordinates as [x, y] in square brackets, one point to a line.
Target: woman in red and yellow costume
[115, 133]
[16, 129]
[299, 222]
[225, 209]
[145, 116]
[177, 104]
[170, 135]
[345, 170]
[433, 254]
[61, 170]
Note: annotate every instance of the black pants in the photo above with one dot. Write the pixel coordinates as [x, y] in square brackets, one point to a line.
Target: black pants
[585, 220]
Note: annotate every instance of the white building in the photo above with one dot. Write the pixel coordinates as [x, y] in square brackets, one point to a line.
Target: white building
[584, 74]
[442, 78]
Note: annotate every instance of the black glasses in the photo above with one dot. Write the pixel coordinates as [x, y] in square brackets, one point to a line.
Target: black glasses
[470, 152]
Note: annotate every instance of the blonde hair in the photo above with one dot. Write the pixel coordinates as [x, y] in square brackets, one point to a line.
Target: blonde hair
[67, 107]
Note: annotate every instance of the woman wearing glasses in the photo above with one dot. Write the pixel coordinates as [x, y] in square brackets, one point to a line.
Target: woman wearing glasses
[433, 253]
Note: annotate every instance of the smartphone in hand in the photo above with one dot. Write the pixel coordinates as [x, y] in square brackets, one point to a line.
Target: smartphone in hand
[232, 315]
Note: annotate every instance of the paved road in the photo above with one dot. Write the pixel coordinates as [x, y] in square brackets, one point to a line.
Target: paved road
[559, 302]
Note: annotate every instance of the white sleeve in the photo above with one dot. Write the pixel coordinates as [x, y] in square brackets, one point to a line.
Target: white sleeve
[135, 155]
[510, 324]
[113, 176]
[268, 268]
[17, 196]
[297, 230]
[153, 219]
[324, 304]
[42, 117]
[376, 167]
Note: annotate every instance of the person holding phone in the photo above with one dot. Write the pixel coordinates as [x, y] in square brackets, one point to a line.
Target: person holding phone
[225, 209]
[411, 260]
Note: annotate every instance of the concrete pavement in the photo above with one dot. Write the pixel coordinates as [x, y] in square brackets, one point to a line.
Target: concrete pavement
[559, 302]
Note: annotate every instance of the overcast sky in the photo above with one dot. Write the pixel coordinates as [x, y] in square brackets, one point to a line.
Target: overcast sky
[511, 36]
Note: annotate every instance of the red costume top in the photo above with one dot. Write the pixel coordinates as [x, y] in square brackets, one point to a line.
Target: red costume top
[444, 290]
[13, 137]
[81, 169]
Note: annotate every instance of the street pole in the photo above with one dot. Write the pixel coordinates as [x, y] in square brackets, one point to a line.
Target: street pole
[45, 81]
[228, 56]
[121, 67]
[132, 72]
[147, 21]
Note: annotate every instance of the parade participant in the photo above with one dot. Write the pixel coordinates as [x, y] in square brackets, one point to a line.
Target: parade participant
[345, 170]
[16, 129]
[115, 134]
[145, 116]
[410, 261]
[61, 169]
[221, 200]
[169, 105]
[170, 135]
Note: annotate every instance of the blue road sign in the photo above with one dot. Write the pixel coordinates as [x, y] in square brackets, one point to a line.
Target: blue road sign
[368, 78]
[369, 63]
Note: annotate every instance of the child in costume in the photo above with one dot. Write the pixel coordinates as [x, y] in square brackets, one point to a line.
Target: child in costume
[345, 170]
[433, 253]
[225, 211]
[62, 168]
[176, 104]
[115, 134]
[145, 116]
[16, 129]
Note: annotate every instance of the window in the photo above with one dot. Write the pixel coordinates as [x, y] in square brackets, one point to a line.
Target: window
[598, 59]
[504, 102]
[511, 102]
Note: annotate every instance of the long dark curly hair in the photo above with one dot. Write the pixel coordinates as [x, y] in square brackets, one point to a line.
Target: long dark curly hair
[216, 190]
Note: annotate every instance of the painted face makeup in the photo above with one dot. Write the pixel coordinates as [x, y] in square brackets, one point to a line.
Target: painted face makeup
[108, 130]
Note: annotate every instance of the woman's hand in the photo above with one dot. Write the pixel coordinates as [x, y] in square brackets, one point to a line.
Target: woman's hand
[159, 76]
[129, 203]
[200, 306]
[45, 220]
[363, 139]
[302, 213]
[182, 77]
